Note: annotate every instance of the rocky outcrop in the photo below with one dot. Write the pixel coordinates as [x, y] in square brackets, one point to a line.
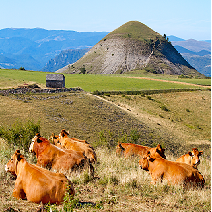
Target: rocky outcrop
[24, 90]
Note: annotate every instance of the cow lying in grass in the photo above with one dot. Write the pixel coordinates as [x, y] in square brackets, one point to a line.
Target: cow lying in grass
[191, 158]
[172, 172]
[55, 140]
[129, 150]
[50, 156]
[77, 145]
[37, 184]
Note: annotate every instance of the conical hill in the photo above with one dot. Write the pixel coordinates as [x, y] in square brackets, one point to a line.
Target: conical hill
[132, 46]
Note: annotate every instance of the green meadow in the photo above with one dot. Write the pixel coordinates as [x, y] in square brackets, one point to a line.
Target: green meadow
[90, 83]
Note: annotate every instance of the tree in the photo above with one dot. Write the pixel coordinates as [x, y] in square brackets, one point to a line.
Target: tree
[22, 68]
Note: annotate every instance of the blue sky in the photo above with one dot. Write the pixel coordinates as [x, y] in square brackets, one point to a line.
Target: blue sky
[183, 18]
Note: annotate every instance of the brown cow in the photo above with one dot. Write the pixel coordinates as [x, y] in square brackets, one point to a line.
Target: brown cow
[172, 172]
[191, 158]
[128, 150]
[69, 143]
[55, 140]
[50, 156]
[37, 184]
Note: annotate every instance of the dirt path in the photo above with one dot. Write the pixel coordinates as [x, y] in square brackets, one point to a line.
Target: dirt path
[161, 125]
[184, 83]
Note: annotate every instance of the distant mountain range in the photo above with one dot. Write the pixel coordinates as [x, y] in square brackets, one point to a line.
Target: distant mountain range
[49, 50]
[66, 57]
[197, 53]
[33, 48]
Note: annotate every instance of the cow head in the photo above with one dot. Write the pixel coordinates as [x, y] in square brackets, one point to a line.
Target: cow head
[36, 139]
[119, 150]
[195, 154]
[144, 161]
[158, 152]
[54, 139]
[11, 166]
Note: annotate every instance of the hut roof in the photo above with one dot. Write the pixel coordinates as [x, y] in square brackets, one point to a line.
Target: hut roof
[55, 77]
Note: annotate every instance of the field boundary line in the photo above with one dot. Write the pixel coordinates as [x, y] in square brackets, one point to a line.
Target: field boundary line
[161, 80]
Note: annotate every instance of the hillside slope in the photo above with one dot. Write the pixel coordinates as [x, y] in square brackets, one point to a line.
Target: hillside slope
[132, 46]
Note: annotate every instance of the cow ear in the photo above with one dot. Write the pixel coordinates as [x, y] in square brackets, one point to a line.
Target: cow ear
[148, 155]
[190, 153]
[151, 159]
[194, 149]
[159, 147]
[38, 135]
[39, 140]
[62, 133]
[17, 151]
[19, 156]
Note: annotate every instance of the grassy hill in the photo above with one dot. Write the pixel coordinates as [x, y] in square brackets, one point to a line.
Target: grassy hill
[135, 30]
[132, 46]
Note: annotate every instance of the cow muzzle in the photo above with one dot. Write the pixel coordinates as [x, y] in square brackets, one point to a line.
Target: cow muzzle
[6, 168]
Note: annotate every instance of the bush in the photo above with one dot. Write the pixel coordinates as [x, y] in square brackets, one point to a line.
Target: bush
[110, 140]
[96, 92]
[134, 136]
[107, 139]
[20, 134]
[163, 107]
[82, 70]
[22, 68]
[149, 97]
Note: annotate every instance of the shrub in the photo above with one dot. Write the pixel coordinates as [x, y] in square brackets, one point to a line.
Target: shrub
[82, 70]
[149, 97]
[128, 97]
[107, 94]
[110, 140]
[134, 135]
[163, 107]
[96, 92]
[22, 68]
[20, 134]
[107, 139]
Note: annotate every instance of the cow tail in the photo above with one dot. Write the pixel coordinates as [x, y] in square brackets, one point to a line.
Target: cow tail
[70, 188]
[88, 165]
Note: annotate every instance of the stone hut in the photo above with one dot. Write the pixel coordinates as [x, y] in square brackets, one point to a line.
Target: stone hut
[55, 81]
